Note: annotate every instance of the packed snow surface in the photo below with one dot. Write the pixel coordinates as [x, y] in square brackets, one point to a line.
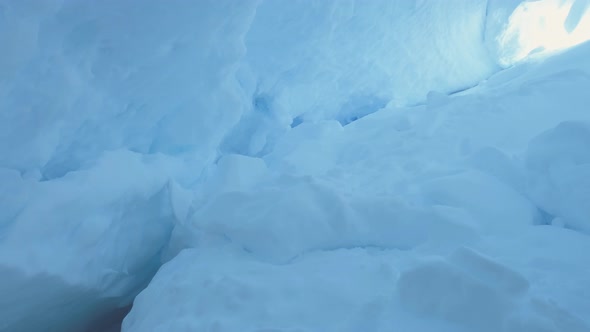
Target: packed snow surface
[273, 165]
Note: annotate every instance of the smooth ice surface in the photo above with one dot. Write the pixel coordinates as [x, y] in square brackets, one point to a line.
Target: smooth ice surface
[334, 165]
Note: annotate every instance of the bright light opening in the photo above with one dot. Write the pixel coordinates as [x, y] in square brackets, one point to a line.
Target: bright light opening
[537, 28]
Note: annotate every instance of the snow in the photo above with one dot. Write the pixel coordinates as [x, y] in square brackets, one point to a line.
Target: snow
[558, 165]
[480, 294]
[234, 292]
[268, 165]
[315, 217]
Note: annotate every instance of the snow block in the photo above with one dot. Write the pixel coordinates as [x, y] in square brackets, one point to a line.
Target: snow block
[558, 173]
[490, 272]
[492, 204]
[224, 291]
[496, 163]
[84, 244]
[480, 294]
[443, 290]
[293, 215]
[234, 172]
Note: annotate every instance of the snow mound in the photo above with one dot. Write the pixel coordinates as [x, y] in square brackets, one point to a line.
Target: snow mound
[558, 165]
[290, 216]
[221, 291]
[480, 294]
[473, 191]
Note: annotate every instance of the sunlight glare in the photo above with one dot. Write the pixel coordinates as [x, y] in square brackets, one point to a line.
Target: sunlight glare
[541, 27]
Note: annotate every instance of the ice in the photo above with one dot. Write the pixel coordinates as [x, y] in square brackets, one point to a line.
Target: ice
[268, 165]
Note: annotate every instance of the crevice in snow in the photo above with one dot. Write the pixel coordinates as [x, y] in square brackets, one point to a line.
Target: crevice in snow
[110, 321]
[296, 121]
[367, 247]
[543, 217]
[357, 107]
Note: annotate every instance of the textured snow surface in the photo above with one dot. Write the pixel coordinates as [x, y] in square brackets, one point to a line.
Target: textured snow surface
[274, 165]
[463, 214]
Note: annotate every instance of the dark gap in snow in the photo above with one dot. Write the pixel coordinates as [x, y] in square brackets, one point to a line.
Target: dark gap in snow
[261, 103]
[543, 217]
[297, 121]
[368, 247]
[252, 134]
[457, 91]
[485, 21]
[60, 307]
[111, 321]
[462, 89]
[358, 107]
[454, 92]
[56, 169]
